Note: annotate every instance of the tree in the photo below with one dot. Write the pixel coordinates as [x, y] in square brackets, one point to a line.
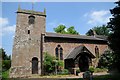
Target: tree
[51, 64]
[48, 63]
[6, 60]
[71, 30]
[61, 29]
[99, 30]
[106, 60]
[114, 37]
[4, 55]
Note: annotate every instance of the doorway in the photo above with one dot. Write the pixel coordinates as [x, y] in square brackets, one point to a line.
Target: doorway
[84, 62]
[34, 65]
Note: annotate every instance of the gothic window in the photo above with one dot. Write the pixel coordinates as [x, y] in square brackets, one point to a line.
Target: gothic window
[56, 50]
[59, 52]
[31, 19]
[97, 52]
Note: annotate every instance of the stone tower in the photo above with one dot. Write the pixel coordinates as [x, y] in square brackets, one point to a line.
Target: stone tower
[27, 51]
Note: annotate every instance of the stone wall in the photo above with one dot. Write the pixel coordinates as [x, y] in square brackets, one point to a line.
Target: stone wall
[68, 45]
[26, 46]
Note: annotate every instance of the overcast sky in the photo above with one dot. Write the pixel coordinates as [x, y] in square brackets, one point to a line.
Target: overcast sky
[82, 15]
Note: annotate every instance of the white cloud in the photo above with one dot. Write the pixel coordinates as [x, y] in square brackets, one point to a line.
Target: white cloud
[5, 28]
[3, 21]
[98, 17]
[8, 29]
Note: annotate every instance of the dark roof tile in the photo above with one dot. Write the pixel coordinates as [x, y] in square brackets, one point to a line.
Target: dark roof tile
[58, 35]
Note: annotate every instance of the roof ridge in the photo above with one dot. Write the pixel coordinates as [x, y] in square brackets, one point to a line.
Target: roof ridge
[67, 35]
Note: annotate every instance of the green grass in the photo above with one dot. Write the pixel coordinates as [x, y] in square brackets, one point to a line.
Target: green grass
[5, 75]
[103, 77]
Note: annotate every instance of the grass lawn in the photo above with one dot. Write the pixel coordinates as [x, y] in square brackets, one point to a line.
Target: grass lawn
[103, 77]
[5, 75]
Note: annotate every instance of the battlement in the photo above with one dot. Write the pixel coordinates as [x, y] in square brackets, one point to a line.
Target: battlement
[32, 12]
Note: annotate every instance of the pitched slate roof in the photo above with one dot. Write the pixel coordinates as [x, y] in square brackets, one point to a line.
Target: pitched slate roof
[58, 35]
[76, 51]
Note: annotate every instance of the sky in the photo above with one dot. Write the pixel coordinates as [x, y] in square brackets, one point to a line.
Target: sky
[82, 15]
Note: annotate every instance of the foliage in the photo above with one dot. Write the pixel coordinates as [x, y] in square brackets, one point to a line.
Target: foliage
[5, 75]
[60, 65]
[5, 63]
[64, 72]
[91, 69]
[96, 70]
[48, 63]
[77, 71]
[114, 38]
[106, 60]
[62, 29]
[71, 30]
[4, 55]
[86, 74]
[99, 30]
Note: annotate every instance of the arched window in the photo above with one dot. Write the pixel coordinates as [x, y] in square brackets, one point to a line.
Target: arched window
[31, 19]
[56, 51]
[59, 52]
[97, 52]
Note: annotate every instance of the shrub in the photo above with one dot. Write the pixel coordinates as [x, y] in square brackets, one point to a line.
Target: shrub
[100, 70]
[49, 64]
[91, 69]
[6, 64]
[106, 60]
[86, 74]
[65, 72]
[5, 75]
[77, 71]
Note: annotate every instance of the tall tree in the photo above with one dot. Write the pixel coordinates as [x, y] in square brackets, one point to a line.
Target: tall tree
[6, 60]
[62, 29]
[114, 38]
[4, 55]
[99, 30]
[71, 30]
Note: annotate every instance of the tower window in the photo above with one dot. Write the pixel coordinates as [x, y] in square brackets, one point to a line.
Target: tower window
[28, 31]
[31, 19]
[59, 52]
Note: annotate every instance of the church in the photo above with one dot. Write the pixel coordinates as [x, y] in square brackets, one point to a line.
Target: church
[31, 41]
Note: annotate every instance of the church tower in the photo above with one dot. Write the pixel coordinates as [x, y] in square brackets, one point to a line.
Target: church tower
[27, 51]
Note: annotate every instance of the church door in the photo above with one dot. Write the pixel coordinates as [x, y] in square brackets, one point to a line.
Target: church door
[35, 65]
[83, 62]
